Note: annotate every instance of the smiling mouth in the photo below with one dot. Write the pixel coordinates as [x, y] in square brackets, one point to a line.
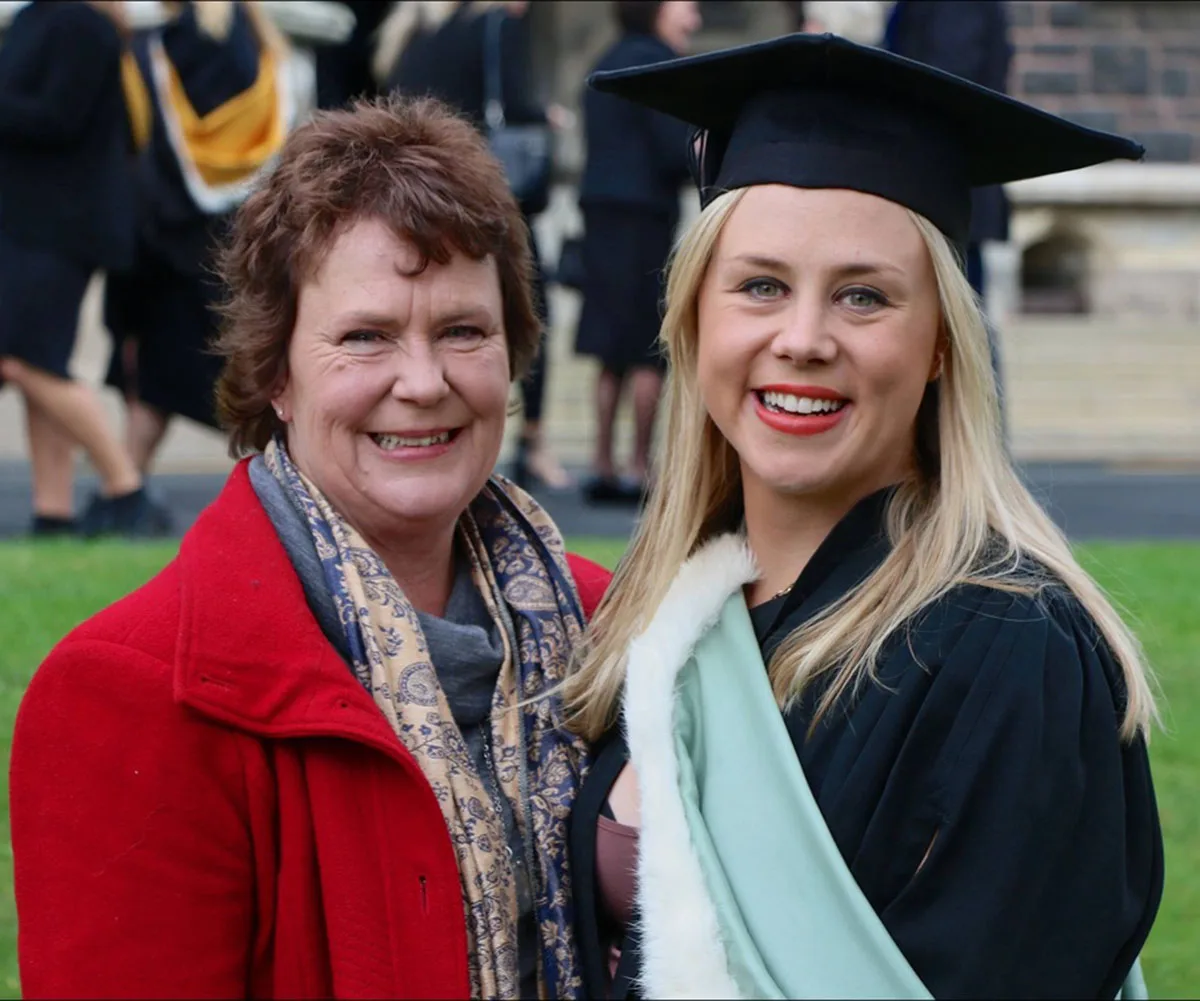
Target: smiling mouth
[787, 403]
[390, 442]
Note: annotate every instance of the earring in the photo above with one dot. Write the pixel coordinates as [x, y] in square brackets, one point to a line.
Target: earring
[279, 413]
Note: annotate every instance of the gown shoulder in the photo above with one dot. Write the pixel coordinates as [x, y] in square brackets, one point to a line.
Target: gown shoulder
[1029, 813]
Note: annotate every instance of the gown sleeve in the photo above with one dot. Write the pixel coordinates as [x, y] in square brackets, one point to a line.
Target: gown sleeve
[1043, 866]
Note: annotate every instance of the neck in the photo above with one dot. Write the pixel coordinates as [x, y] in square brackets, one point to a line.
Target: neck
[423, 565]
[784, 531]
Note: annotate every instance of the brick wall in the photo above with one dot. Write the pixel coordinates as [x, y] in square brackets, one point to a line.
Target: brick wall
[1129, 67]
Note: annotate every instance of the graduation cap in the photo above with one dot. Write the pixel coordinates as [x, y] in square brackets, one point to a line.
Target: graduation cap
[818, 111]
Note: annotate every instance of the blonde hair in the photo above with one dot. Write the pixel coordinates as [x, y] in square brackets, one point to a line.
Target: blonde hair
[964, 518]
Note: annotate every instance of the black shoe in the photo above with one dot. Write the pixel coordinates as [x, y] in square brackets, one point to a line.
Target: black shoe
[132, 515]
[612, 490]
[49, 527]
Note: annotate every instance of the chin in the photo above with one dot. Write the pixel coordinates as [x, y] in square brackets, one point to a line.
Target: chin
[427, 501]
[795, 483]
[793, 487]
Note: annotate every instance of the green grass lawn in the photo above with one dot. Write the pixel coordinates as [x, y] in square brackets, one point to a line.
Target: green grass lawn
[47, 588]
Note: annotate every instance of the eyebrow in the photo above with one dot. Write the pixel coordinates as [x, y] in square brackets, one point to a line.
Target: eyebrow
[366, 318]
[849, 270]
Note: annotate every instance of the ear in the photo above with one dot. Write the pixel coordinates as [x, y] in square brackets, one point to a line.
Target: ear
[281, 402]
[938, 365]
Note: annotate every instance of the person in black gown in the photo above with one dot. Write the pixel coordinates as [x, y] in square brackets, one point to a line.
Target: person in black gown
[967, 708]
[163, 313]
[66, 211]
[629, 196]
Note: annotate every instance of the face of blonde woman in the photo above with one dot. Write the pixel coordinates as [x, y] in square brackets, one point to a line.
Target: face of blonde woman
[818, 327]
[398, 383]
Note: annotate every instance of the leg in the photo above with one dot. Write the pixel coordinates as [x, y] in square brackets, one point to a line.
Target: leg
[76, 409]
[534, 459]
[533, 386]
[52, 461]
[145, 427]
[647, 388]
[608, 395]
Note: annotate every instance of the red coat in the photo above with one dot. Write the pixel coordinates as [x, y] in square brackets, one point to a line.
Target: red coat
[206, 803]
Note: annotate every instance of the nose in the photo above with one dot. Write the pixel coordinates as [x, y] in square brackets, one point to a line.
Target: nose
[420, 377]
[805, 337]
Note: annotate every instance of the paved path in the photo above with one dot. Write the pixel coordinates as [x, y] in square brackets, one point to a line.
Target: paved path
[1090, 501]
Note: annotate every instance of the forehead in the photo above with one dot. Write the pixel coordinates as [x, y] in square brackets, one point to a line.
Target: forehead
[820, 223]
[368, 250]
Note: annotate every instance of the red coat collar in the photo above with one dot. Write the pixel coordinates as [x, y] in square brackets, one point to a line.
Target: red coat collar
[250, 652]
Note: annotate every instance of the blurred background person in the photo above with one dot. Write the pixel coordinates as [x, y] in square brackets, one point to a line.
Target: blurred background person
[858, 20]
[796, 15]
[212, 110]
[66, 211]
[344, 68]
[970, 39]
[442, 49]
[637, 162]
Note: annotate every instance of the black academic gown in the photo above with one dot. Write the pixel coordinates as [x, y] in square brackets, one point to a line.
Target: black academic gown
[65, 181]
[167, 302]
[992, 738]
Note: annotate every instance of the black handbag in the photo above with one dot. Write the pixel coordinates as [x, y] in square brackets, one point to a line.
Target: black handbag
[524, 151]
[570, 272]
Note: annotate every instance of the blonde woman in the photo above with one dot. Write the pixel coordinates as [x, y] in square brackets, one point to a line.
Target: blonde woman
[863, 726]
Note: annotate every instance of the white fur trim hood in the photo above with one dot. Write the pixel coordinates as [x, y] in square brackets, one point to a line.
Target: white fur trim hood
[682, 952]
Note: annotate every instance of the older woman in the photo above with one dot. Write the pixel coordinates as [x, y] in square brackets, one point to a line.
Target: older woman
[310, 757]
[883, 736]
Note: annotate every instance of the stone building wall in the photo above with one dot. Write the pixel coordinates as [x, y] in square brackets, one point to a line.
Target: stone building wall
[1129, 67]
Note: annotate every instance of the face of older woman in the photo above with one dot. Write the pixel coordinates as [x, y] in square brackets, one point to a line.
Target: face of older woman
[818, 330]
[398, 383]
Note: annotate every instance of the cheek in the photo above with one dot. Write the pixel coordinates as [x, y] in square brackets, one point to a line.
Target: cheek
[342, 391]
[714, 345]
[897, 365]
[483, 383]
[725, 354]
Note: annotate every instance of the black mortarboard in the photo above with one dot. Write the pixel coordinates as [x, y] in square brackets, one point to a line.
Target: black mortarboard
[818, 111]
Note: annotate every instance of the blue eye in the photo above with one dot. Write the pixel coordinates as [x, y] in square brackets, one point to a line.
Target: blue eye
[862, 298]
[763, 289]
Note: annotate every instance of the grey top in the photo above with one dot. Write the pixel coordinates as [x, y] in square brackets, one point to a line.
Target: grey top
[466, 650]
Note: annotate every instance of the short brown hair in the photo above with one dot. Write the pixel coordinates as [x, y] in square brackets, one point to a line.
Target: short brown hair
[414, 164]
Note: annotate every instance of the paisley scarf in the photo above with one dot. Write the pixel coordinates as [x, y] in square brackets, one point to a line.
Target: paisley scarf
[518, 564]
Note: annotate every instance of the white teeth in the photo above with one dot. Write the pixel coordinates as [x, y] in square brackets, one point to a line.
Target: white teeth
[389, 441]
[801, 404]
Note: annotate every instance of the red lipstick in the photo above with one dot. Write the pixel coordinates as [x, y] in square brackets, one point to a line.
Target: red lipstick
[802, 425]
